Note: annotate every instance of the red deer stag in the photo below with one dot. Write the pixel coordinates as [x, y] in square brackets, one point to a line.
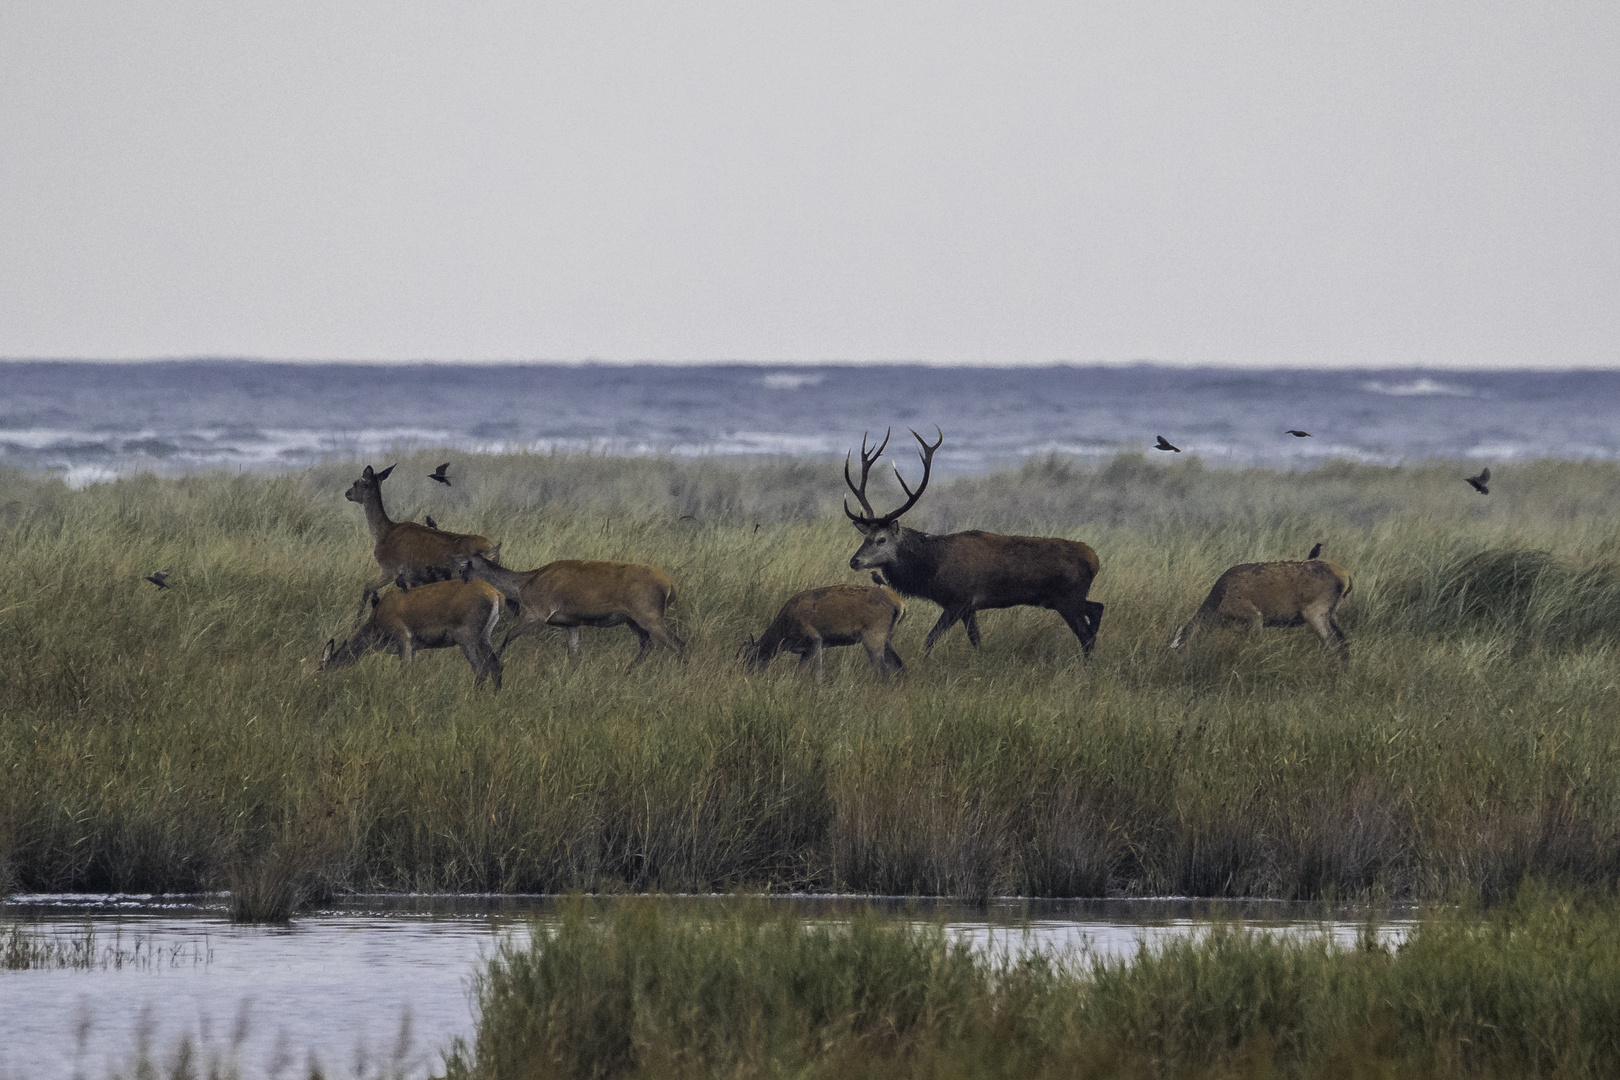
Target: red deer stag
[572, 594]
[435, 616]
[410, 554]
[972, 571]
[819, 619]
[1290, 593]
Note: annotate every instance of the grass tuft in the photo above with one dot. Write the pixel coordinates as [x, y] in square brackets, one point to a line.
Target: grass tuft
[661, 989]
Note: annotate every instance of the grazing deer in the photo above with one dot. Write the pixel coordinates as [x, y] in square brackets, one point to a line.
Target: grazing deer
[967, 572]
[434, 616]
[1289, 593]
[409, 554]
[572, 594]
[818, 619]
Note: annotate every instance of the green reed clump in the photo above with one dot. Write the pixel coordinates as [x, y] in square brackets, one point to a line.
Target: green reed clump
[1524, 596]
[660, 989]
[182, 739]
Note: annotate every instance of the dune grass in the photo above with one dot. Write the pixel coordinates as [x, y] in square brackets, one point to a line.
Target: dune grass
[169, 740]
[653, 989]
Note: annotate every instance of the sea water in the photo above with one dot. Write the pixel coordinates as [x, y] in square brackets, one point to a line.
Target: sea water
[91, 421]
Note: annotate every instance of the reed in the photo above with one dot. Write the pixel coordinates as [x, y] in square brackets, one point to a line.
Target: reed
[169, 740]
[657, 989]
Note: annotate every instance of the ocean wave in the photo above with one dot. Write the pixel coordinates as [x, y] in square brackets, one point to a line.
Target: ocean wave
[787, 380]
[1416, 388]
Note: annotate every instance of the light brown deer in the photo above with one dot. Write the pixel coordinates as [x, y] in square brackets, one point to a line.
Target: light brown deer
[967, 572]
[820, 619]
[409, 554]
[434, 616]
[1288, 593]
[571, 593]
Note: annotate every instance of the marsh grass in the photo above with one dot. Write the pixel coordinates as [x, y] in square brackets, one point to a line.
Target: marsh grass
[175, 740]
[659, 989]
[26, 946]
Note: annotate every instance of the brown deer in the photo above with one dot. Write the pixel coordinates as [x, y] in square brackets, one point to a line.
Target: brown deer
[819, 619]
[571, 593]
[1289, 593]
[967, 572]
[409, 554]
[434, 616]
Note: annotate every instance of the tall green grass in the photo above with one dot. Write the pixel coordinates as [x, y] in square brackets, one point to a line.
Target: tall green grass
[182, 739]
[652, 990]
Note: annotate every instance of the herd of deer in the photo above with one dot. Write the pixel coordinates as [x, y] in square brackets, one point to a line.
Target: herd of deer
[452, 589]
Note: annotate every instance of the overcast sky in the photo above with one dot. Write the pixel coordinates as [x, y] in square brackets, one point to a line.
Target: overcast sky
[1269, 184]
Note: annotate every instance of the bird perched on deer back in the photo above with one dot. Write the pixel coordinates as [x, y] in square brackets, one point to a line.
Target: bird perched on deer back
[438, 474]
[160, 579]
[1298, 434]
[1165, 444]
[1478, 482]
[430, 522]
[1315, 551]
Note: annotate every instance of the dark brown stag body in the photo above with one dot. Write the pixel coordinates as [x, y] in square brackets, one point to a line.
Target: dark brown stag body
[973, 571]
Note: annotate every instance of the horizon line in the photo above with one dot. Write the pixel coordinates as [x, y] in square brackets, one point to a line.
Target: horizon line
[596, 361]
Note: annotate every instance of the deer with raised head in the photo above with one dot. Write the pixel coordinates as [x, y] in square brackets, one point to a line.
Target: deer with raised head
[572, 593]
[409, 554]
[968, 572]
[820, 619]
[1286, 593]
[434, 616]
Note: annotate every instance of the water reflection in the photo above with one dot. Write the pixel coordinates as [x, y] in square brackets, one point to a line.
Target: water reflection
[377, 985]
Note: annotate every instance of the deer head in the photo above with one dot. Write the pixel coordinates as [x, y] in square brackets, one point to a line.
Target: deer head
[882, 531]
[369, 482]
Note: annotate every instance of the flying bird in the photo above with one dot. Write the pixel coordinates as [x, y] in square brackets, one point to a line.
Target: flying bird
[429, 518]
[160, 579]
[1165, 444]
[1315, 551]
[1298, 434]
[1478, 482]
[438, 474]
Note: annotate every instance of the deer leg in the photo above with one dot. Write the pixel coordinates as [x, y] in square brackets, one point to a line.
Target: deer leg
[816, 651]
[522, 626]
[661, 633]
[646, 643]
[1077, 621]
[947, 619]
[1094, 614]
[485, 663]
[970, 622]
[1327, 628]
[573, 643]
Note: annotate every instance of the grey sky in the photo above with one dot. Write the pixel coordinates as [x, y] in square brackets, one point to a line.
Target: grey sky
[1400, 183]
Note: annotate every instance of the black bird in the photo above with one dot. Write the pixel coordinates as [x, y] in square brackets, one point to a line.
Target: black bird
[877, 579]
[1165, 444]
[1298, 434]
[160, 579]
[1480, 481]
[1315, 551]
[429, 518]
[438, 474]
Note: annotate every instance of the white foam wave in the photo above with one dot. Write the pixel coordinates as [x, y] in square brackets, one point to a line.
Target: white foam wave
[1416, 388]
[787, 380]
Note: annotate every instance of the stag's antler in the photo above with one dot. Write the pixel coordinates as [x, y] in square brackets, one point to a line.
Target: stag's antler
[867, 461]
[926, 453]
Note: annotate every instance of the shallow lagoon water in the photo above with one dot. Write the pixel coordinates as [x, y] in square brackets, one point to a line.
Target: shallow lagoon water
[379, 985]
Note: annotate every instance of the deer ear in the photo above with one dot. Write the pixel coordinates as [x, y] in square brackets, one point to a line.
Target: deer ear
[384, 474]
[367, 474]
[493, 554]
[326, 653]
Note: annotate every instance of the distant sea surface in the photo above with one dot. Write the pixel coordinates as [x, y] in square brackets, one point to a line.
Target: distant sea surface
[91, 422]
